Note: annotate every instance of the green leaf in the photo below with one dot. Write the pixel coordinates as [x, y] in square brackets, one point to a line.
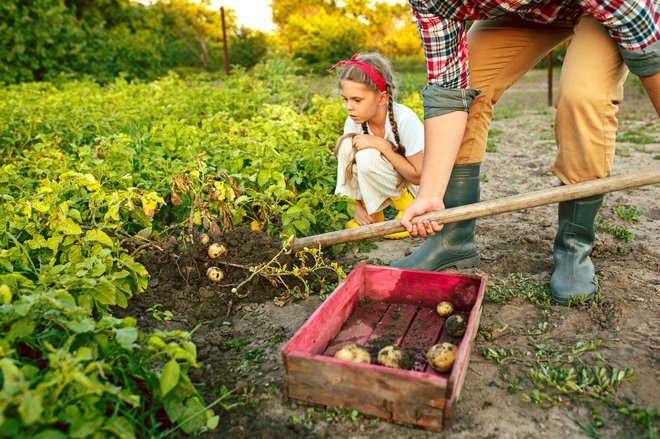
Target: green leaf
[121, 428]
[5, 294]
[12, 377]
[194, 416]
[213, 422]
[82, 326]
[69, 227]
[50, 434]
[100, 237]
[170, 376]
[21, 329]
[126, 337]
[104, 293]
[30, 408]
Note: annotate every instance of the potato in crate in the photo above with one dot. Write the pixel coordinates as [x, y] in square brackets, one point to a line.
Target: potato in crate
[366, 346]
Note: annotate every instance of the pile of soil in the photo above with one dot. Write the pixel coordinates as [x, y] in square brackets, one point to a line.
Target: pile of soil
[178, 284]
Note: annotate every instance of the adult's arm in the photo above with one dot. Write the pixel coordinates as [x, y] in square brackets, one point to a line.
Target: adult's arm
[447, 99]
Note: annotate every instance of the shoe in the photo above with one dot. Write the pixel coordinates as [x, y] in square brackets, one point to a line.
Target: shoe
[574, 274]
[400, 205]
[455, 244]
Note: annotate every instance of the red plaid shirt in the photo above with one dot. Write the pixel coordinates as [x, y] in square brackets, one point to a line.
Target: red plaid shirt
[634, 24]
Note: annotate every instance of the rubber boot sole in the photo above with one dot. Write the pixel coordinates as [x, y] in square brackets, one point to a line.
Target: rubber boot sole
[461, 264]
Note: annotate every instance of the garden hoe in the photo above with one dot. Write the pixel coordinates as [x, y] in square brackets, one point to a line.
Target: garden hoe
[487, 208]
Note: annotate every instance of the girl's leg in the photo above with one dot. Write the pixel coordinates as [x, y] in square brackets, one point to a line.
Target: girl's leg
[377, 179]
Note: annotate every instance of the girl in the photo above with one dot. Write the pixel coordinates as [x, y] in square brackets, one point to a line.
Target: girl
[381, 152]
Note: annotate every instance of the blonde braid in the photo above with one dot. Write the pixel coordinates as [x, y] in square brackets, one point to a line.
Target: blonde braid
[398, 148]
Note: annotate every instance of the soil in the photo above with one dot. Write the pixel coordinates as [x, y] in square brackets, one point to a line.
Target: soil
[239, 338]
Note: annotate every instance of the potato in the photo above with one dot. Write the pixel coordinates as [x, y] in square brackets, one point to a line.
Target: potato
[214, 274]
[456, 325]
[216, 250]
[203, 238]
[353, 352]
[441, 356]
[392, 356]
[444, 309]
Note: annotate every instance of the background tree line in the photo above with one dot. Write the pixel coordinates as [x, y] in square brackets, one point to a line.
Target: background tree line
[46, 39]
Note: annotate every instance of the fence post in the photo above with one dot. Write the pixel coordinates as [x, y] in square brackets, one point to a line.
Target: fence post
[224, 39]
[549, 63]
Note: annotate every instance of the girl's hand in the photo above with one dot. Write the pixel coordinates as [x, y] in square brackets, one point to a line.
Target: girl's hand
[418, 207]
[361, 216]
[364, 141]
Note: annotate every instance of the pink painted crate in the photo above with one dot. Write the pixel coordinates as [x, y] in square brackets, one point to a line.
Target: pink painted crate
[382, 305]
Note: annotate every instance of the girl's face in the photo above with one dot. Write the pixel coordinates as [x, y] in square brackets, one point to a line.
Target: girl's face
[361, 102]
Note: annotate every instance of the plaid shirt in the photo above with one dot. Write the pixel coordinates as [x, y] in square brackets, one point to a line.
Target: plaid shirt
[634, 24]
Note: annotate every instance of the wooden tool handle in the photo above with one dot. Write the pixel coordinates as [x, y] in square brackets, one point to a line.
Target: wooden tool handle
[487, 208]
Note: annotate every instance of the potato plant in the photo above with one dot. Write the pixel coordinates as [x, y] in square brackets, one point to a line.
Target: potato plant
[89, 174]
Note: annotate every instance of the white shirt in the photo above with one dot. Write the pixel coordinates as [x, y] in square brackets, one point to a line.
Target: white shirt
[411, 129]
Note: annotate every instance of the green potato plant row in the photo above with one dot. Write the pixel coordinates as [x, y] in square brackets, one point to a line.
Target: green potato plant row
[86, 170]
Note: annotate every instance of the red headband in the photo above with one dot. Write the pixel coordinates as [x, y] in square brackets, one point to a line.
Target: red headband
[367, 69]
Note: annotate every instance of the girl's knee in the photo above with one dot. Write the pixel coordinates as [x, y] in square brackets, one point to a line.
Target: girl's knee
[368, 160]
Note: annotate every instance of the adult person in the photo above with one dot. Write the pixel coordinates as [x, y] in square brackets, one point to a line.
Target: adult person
[607, 39]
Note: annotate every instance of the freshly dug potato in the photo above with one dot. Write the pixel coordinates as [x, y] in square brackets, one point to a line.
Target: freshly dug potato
[203, 238]
[392, 356]
[456, 325]
[216, 250]
[214, 274]
[444, 309]
[441, 356]
[353, 352]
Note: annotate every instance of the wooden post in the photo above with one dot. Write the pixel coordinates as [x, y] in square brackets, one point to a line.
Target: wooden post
[224, 39]
[487, 208]
[549, 62]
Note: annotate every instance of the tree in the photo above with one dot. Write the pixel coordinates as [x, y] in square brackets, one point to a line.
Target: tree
[195, 25]
[323, 31]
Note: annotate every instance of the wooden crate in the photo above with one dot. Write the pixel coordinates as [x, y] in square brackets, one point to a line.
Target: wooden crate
[376, 306]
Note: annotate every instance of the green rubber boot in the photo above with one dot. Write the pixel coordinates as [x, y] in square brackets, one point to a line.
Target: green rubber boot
[454, 245]
[574, 271]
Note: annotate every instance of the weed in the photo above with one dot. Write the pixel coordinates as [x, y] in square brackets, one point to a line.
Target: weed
[560, 374]
[484, 178]
[276, 341]
[519, 285]
[603, 224]
[236, 344]
[583, 300]
[255, 355]
[629, 214]
[270, 390]
[509, 112]
[159, 315]
[333, 415]
[493, 134]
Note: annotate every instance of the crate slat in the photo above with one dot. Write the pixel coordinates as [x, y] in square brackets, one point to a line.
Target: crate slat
[423, 288]
[374, 390]
[359, 326]
[394, 325]
[322, 326]
[422, 334]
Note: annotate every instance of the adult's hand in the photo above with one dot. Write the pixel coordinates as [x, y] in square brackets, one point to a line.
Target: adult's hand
[418, 207]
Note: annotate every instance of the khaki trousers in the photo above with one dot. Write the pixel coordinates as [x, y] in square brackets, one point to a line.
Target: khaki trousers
[590, 89]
